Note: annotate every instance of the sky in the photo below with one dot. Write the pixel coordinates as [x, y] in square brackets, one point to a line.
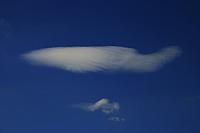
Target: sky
[95, 66]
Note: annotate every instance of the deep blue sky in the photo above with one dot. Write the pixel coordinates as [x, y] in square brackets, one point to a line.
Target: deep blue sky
[38, 99]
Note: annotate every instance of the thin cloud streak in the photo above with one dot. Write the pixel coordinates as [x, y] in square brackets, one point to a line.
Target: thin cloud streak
[116, 119]
[93, 59]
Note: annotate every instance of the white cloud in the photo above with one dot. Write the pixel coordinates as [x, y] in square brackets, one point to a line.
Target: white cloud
[86, 59]
[116, 119]
[103, 105]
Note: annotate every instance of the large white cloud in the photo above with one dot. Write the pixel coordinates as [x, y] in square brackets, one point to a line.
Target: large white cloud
[103, 105]
[86, 59]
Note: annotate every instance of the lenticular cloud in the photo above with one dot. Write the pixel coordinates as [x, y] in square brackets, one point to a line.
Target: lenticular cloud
[92, 59]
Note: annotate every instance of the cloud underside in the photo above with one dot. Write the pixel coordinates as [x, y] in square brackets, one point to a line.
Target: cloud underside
[103, 105]
[93, 59]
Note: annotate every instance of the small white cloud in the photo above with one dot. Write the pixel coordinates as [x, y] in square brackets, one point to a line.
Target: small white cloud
[116, 119]
[92, 59]
[103, 105]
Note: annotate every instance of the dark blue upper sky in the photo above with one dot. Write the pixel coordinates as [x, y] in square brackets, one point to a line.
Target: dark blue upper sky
[38, 99]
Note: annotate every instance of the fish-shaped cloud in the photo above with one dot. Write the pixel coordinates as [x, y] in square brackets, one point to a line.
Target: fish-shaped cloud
[93, 59]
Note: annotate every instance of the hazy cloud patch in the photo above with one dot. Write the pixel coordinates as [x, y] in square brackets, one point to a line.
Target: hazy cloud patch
[5, 29]
[116, 119]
